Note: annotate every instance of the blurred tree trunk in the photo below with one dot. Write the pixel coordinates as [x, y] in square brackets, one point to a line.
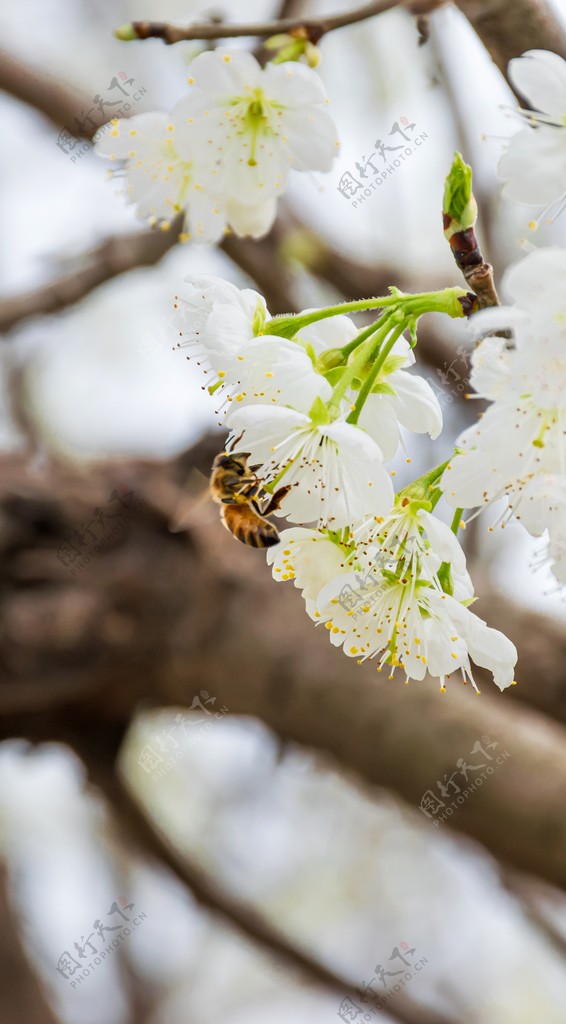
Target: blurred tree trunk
[155, 616]
[22, 998]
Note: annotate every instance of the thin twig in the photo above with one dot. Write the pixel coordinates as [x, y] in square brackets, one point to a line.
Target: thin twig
[314, 28]
[524, 890]
[56, 101]
[137, 828]
[115, 256]
[476, 271]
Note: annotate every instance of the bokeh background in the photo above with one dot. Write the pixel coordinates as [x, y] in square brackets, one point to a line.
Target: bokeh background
[182, 755]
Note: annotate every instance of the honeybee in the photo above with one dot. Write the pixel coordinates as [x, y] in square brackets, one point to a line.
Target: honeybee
[236, 487]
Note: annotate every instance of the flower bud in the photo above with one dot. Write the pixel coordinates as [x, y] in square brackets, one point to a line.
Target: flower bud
[460, 209]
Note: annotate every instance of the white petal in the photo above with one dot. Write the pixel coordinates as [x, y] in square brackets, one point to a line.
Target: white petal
[443, 541]
[488, 647]
[415, 403]
[310, 139]
[251, 220]
[293, 85]
[363, 485]
[115, 141]
[534, 166]
[308, 557]
[490, 367]
[265, 427]
[225, 72]
[279, 371]
[206, 218]
[540, 76]
[333, 332]
[469, 481]
[379, 420]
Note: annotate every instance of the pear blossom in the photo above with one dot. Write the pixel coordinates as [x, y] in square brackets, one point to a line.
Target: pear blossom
[411, 538]
[164, 176]
[278, 371]
[383, 596]
[534, 166]
[220, 323]
[517, 449]
[401, 398]
[215, 319]
[335, 468]
[311, 558]
[412, 624]
[253, 124]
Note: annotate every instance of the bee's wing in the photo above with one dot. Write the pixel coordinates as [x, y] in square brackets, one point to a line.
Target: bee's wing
[191, 502]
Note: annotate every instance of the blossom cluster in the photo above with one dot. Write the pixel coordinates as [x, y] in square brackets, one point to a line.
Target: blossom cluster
[319, 404]
[223, 155]
[517, 450]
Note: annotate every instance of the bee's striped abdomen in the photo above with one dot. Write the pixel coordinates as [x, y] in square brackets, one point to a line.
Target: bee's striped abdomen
[249, 527]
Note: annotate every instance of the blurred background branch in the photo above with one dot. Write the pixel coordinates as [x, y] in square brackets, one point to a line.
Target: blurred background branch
[88, 652]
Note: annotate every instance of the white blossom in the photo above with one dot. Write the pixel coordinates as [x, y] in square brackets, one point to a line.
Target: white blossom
[165, 175]
[336, 469]
[402, 398]
[411, 624]
[215, 320]
[221, 326]
[311, 558]
[517, 449]
[252, 125]
[379, 592]
[534, 166]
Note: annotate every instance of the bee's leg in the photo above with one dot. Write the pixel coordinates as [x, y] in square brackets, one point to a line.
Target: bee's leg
[276, 499]
[235, 442]
[249, 488]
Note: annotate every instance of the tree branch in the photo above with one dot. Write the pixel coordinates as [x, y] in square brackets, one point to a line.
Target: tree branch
[508, 28]
[117, 255]
[137, 830]
[23, 995]
[59, 103]
[312, 28]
